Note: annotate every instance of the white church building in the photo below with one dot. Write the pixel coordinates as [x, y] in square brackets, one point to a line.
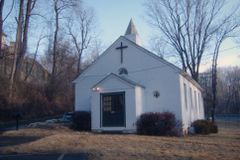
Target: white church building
[127, 80]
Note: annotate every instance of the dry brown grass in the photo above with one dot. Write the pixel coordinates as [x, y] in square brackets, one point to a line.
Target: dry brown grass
[224, 145]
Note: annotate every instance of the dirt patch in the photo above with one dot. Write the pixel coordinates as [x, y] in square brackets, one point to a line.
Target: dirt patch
[224, 145]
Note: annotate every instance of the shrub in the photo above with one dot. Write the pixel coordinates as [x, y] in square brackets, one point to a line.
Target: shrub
[81, 121]
[204, 127]
[157, 124]
[214, 128]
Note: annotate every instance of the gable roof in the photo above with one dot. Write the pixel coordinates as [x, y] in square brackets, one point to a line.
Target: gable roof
[95, 61]
[177, 69]
[180, 71]
[135, 45]
[153, 55]
[121, 78]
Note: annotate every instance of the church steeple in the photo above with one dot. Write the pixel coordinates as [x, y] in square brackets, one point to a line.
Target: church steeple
[132, 33]
[131, 29]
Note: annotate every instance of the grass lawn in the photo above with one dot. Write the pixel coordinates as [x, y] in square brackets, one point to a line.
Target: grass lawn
[224, 145]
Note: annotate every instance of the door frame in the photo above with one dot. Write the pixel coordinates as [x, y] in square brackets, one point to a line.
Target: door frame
[101, 111]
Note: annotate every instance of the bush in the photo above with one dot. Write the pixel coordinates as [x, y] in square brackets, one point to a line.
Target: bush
[161, 124]
[204, 127]
[81, 121]
[214, 128]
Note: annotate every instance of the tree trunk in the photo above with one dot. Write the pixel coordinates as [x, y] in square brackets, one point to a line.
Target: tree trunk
[214, 90]
[23, 47]
[51, 87]
[55, 40]
[214, 77]
[1, 27]
[17, 48]
[195, 76]
[34, 59]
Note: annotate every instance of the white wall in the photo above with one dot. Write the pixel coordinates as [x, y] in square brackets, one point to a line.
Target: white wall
[139, 100]
[145, 69]
[193, 108]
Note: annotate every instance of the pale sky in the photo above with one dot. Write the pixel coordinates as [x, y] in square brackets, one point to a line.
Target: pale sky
[114, 15]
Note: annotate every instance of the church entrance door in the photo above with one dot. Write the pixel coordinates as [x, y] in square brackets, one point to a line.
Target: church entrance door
[113, 109]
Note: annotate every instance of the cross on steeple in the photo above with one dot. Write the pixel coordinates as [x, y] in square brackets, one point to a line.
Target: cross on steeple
[121, 47]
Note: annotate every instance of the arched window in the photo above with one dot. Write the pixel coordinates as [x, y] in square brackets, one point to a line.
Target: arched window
[122, 71]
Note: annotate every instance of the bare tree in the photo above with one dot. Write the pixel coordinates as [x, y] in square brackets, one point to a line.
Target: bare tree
[233, 90]
[92, 54]
[226, 31]
[66, 69]
[1, 26]
[228, 91]
[2, 19]
[59, 7]
[16, 47]
[21, 40]
[82, 35]
[3, 50]
[189, 26]
[34, 57]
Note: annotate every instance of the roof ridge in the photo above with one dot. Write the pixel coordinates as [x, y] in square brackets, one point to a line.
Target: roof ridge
[180, 71]
[126, 80]
[154, 55]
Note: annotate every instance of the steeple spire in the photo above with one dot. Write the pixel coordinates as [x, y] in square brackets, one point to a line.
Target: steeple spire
[132, 33]
[131, 29]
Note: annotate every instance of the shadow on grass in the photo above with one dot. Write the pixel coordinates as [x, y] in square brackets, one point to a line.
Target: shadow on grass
[16, 140]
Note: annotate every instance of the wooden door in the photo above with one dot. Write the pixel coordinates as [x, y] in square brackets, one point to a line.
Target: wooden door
[113, 109]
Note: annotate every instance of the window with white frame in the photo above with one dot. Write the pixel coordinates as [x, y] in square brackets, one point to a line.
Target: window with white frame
[195, 100]
[191, 98]
[199, 103]
[185, 96]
